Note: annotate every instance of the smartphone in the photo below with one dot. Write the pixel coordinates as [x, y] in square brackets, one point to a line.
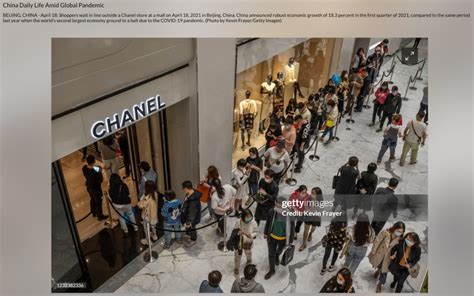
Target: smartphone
[96, 168]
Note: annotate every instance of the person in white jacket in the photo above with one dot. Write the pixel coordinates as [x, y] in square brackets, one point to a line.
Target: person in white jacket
[240, 182]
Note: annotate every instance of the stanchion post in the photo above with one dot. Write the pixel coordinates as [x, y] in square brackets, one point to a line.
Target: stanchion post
[225, 233]
[413, 87]
[151, 256]
[406, 91]
[291, 181]
[335, 138]
[109, 223]
[421, 70]
[392, 69]
[315, 157]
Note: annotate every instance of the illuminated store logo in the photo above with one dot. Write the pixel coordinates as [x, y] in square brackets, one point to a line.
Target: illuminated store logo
[128, 116]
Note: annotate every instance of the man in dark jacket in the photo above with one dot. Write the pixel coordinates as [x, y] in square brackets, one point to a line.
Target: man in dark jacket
[94, 179]
[392, 105]
[123, 143]
[366, 187]
[346, 185]
[247, 284]
[302, 140]
[279, 231]
[384, 204]
[191, 212]
[268, 191]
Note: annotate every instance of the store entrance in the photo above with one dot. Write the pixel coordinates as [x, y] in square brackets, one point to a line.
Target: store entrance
[104, 247]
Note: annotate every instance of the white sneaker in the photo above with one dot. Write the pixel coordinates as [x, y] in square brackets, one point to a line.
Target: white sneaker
[154, 237]
[144, 241]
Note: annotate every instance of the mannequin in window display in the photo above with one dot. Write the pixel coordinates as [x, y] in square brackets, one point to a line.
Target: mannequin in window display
[248, 112]
[291, 78]
[267, 90]
[279, 91]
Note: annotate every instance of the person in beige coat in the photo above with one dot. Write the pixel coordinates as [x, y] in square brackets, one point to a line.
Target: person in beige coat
[149, 207]
[379, 256]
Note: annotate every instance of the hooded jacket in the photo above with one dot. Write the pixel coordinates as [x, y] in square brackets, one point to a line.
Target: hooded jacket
[244, 285]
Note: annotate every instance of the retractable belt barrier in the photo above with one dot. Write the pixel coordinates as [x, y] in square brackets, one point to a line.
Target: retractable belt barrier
[83, 218]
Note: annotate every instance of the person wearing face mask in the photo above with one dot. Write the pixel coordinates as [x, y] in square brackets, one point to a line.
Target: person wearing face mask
[331, 117]
[255, 165]
[246, 226]
[289, 134]
[268, 192]
[272, 135]
[379, 255]
[342, 90]
[299, 199]
[279, 231]
[336, 238]
[380, 96]
[392, 105]
[340, 283]
[368, 75]
[358, 60]
[404, 256]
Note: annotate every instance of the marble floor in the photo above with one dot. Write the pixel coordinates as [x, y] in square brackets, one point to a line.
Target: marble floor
[181, 270]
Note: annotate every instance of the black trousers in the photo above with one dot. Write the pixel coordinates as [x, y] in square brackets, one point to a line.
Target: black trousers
[296, 90]
[377, 111]
[327, 253]
[400, 277]
[126, 162]
[386, 116]
[424, 109]
[377, 226]
[192, 233]
[275, 248]
[220, 224]
[360, 103]
[96, 201]
[300, 155]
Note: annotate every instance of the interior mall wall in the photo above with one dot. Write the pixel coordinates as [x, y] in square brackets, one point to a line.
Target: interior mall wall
[216, 68]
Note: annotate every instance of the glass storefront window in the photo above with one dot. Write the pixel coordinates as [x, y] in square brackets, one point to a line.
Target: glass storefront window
[252, 106]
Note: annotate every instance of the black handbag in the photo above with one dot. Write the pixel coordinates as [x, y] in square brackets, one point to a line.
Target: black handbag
[335, 179]
[288, 255]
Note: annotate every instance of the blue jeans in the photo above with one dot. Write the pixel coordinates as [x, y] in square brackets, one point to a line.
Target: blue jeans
[355, 255]
[126, 211]
[383, 278]
[328, 130]
[387, 143]
[168, 233]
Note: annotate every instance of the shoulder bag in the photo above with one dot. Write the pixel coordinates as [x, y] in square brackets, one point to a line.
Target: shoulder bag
[336, 178]
[414, 270]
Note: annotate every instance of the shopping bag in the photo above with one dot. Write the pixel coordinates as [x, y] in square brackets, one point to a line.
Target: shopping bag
[288, 254]
[205, 192]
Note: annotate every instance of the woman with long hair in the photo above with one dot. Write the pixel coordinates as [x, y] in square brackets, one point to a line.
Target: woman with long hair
[336, 237]
[120, 195]
[149, 206]
[379, 256]
[404, 258]
[359, 239]
[221, 202]
[207, 181]
[301, 195]
[340, 283]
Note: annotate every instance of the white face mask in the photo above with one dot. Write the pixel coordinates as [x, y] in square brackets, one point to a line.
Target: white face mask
[253, 156]
[397, 233]
[339, 282]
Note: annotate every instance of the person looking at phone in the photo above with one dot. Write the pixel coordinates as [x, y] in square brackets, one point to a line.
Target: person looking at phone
[277, 159]
[94, 179]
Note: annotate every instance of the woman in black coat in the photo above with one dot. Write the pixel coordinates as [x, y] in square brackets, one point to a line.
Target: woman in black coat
[340, 283]
[404, 257]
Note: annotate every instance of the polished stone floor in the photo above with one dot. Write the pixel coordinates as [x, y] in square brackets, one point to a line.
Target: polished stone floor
[180, 270]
